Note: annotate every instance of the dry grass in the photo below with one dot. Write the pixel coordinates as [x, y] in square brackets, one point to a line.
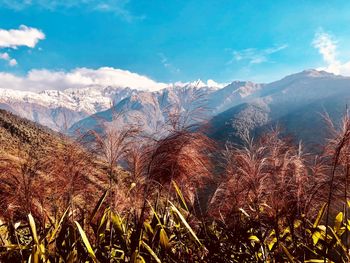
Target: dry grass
[266, 185]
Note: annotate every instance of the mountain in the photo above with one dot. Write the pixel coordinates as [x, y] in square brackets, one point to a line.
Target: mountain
[296, 103]
[233, 94]
[193, 101]
[60, 109]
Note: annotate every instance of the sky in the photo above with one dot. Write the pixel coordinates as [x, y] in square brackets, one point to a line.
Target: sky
[145, 44]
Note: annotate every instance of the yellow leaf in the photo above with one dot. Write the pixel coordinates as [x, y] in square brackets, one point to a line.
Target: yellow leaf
[289, 256]
[86, 242]
[254, 238]
[54, 232]
[33, 229]
[320, 215]
[316, 236]
[163, 238]
[150, 250]
[338, 221]
[183, 220]
[179, 193]
[272, 243]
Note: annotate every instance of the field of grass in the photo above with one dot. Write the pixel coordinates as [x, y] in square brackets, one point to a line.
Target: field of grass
[180, 197]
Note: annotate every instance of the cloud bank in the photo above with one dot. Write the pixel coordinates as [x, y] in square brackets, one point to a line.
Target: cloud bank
[39, 80]
[327, 47]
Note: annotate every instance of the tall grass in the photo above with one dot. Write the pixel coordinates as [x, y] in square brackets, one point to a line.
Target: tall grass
[124, 197]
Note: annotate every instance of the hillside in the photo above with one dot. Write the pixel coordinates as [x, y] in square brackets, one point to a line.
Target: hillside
[18, 134]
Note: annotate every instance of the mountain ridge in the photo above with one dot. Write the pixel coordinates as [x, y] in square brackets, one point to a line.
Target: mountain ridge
[256, 103]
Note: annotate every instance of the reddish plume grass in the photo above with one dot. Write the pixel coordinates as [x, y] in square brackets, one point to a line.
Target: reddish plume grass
[73, 179]
[184, 157]
[338, 150]
[21, 188]
[267, 180]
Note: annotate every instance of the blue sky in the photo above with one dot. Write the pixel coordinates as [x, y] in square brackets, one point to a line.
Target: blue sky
[170, 41]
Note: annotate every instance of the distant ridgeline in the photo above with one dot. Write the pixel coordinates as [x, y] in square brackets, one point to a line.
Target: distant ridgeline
[295, 103]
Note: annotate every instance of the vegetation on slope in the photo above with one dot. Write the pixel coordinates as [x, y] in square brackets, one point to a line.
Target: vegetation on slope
[266, 201]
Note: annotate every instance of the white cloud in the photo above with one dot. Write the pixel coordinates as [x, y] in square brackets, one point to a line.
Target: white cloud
[255, 56]
[38, 80]
[14, 38]
[11, 61]
[327, 47]
[23, 36]
[213, 83]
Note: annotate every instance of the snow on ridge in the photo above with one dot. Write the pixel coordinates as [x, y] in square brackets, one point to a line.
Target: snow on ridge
[55, 99]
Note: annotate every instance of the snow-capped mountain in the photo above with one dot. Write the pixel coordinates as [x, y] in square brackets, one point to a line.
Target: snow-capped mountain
[61, 109]
[232, 109]
[195, 101]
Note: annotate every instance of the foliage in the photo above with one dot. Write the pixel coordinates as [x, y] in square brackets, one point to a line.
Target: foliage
[176, 198]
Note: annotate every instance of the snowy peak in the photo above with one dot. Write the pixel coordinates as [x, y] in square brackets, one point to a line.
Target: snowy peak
[211, 84]
[51, 107]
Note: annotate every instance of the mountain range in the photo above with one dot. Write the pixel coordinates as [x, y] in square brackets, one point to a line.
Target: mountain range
[295, 102]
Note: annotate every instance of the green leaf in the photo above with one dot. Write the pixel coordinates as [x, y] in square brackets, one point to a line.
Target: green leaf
[86, 242]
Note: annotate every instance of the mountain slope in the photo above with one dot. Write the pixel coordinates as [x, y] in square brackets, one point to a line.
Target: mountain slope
[18, 134]
[295, 103]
